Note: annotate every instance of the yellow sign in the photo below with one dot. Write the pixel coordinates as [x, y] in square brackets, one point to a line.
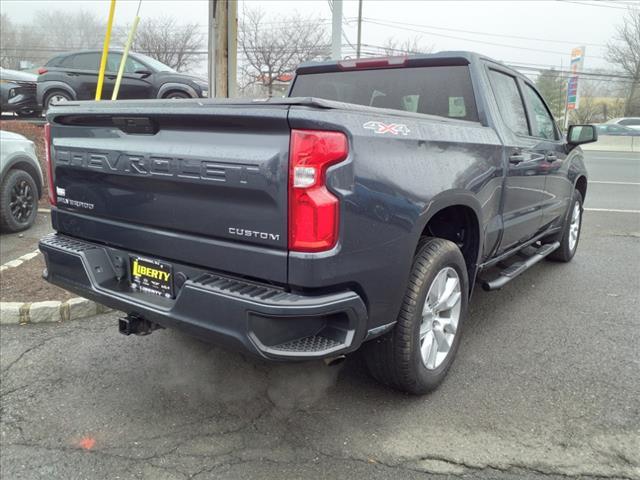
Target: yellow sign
[154, 273]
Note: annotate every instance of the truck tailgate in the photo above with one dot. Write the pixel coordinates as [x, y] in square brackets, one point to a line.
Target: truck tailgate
[206, 188]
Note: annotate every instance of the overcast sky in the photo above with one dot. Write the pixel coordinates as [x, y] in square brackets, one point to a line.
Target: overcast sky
[549, 29]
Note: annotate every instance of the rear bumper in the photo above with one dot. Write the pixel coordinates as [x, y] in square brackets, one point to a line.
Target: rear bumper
[255, 318]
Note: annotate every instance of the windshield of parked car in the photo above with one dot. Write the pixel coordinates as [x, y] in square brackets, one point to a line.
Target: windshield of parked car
[153, 63]
[445, 91]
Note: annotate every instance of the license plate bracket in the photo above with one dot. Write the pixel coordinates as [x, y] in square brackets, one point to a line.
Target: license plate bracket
[151, 276]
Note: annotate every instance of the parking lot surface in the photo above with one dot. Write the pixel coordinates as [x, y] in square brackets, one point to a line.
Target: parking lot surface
[15, 245]
[545, 385]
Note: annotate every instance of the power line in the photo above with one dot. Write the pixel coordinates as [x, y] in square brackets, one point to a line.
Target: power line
[598, 4]
[475, 32]
[474, 40]
[621, 78]
[514, 64]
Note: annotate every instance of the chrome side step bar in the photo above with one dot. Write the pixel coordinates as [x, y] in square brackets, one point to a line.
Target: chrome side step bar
[515, 269]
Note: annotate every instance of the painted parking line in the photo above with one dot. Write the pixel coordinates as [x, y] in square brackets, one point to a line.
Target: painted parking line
[615, 210]
[614, 183]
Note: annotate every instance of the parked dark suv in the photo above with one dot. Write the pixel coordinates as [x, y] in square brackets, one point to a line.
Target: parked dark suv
[74, 76]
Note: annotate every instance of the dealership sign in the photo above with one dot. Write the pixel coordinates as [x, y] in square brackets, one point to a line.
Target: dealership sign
[577, 62]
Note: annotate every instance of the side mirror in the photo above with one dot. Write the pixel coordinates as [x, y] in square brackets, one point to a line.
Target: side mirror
[143, 72]
[580, 134]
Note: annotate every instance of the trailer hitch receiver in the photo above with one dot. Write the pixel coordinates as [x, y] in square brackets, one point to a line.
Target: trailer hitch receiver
[136, 325]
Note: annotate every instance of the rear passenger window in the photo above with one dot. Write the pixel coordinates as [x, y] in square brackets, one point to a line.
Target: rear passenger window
[630, 121]
[543, 126]
[56, 61]
[509, 101]
[86, 61]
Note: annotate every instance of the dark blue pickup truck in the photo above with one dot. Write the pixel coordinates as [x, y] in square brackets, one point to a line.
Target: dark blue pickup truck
[358, 212]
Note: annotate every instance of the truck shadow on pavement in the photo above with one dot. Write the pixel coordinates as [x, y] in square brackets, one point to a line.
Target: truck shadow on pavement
[522, 392]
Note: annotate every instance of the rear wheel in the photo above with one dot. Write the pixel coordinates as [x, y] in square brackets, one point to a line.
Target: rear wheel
[415, 356]
[570, 234]
[176, 95]
[19, 201]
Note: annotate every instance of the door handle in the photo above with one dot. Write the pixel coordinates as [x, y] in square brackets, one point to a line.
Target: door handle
[516, 158]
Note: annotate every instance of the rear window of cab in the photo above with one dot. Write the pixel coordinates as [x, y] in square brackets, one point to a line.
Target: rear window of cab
[445, 91]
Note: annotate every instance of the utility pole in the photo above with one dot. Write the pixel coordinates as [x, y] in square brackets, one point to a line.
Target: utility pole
[336, 31]
[359, 28]
[211, 47]
[222, 45]
[232, 48]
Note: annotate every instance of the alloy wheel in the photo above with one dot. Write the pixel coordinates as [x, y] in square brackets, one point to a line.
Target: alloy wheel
[574, 226]
[440, 317]
[56, 98]
[22, 201]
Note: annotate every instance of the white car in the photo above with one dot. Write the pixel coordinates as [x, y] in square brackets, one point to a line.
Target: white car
[631, 122]
[21, 182]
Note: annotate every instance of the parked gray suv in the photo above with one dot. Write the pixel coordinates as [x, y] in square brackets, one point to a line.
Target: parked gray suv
[21, 182]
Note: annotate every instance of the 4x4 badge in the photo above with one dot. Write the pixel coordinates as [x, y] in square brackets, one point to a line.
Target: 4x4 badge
[383, 128]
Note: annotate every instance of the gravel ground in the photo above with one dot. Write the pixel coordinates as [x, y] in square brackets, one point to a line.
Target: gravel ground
[25, 284]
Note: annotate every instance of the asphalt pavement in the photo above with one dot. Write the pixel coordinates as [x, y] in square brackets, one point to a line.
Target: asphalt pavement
[545, 385]
[14, 245]
[614, 180]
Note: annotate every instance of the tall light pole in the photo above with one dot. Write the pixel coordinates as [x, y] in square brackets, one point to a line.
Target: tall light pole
[336, 30]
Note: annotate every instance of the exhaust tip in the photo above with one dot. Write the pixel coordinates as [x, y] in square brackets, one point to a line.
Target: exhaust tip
[333, 361]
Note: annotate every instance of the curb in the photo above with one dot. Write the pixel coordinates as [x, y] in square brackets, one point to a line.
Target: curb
[12, 313]
[19, 261]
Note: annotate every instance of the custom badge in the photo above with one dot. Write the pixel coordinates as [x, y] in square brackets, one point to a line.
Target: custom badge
[387, 128]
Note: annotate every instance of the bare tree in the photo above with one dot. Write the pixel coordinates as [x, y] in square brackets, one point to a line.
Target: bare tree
[272, 50]
[625, 52]
[48, 34]
[409, 46]
[76, 30]
[593, 106]
[176, 45]
[8, 43]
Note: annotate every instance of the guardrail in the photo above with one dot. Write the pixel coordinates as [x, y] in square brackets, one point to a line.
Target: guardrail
[615, 143]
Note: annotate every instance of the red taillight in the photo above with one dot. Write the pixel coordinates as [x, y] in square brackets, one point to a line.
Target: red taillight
[42, 70]
[47, 156]
[313, 209]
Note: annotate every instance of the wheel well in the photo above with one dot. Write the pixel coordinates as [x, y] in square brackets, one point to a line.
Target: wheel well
[458, 224]
[31, 170]
[581, 186]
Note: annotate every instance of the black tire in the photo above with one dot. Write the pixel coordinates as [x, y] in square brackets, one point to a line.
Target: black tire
[177, 94]
[566, 251]
[395, 358]
[27, 112]
[18, 201]
[48, 98]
